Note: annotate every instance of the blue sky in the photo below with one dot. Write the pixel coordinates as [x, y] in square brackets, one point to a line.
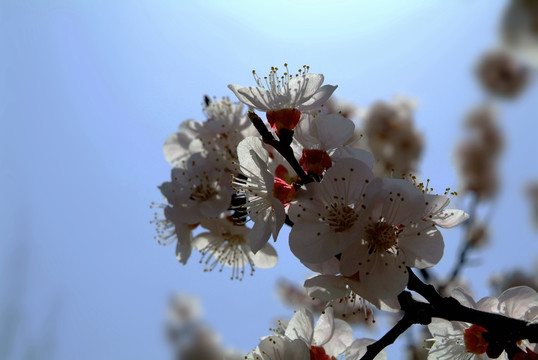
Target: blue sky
[91, 89]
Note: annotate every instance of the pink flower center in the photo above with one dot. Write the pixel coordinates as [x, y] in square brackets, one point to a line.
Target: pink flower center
[283, 119]
[318, 353]
[315, 161]
[283, 191]
[474, 340]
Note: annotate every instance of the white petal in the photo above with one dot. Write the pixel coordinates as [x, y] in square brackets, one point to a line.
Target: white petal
[354, 153]
[331, 266]
[326, 287]
[320, 97]
[255, 97]
[515, 302]
[248, 151]
[341, 339]
[261, 231]
[423, 248]
[184, 242]
[333, 130]
[324, 327]
[301, 326]
[302, 88]
[449, 218]
[266, 257]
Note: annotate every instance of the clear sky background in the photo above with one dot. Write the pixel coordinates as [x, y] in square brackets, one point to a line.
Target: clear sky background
[89, 91]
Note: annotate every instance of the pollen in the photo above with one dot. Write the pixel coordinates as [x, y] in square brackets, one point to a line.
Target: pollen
[341, 217]
[380, 236]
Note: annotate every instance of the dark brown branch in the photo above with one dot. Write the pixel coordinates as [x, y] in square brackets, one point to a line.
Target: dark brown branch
[503, 332]
[282, 145]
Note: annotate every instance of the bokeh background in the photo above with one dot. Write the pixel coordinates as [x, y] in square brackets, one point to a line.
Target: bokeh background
[89, 91]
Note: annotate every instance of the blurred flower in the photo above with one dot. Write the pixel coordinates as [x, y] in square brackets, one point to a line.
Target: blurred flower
[392, 138]
[477, 155]
[478, 234]
[515, 278]
[519, 28]
[501, 74]
[189, 337]
[296, 296]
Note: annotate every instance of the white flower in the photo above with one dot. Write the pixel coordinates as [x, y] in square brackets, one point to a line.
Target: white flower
[301, 340]
[226, 125]
[265, 194]
[449, 336]
[301, 92]
[199, 189]
[326, 214]
[390, 237]
[323, 138]
[277, 347]
[226, 244]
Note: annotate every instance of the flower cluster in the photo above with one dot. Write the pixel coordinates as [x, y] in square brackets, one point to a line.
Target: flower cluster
[352, 227]
[238, 180]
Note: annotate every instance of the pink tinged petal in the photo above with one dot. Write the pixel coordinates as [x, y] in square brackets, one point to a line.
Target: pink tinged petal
[423, 248]
[324, 327]
[333, 130]
[320, 97]
[326, 287]
[266, 257]
[301, 326]
[255, 97]
[341, 339]
[515, 302]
